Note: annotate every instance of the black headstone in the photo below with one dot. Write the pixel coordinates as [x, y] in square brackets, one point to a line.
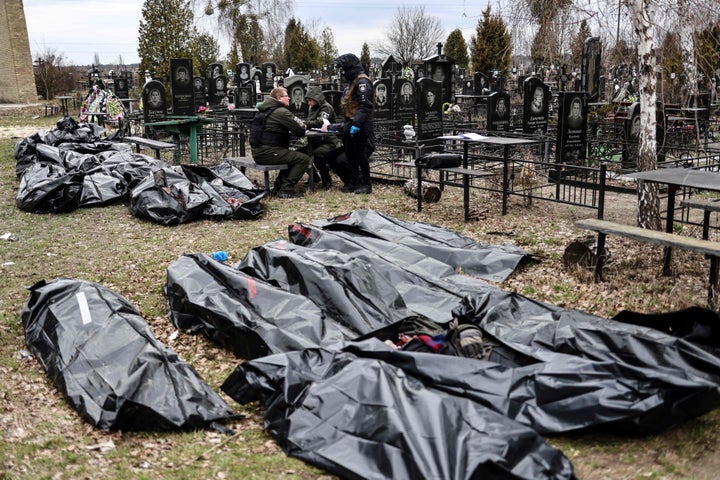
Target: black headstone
[217, 90]
[404, 94]
[429, 108]
[590, 76]
[572, 128]
[536, 99]
[183, 102]
[242, 73]
[154, 103]
[122, 87]
[199, 95]
[482, 83]
[468, 87]
[296, 86]
[441, 71]
[334, 98]
[383, 99]
[214, 70]
[498, 112]
[390, 68]
[269, 71]
[245, 96]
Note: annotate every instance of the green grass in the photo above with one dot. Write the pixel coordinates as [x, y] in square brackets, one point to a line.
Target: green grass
[43, 438]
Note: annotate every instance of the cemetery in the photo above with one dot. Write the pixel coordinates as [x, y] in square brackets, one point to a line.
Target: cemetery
[359, 339]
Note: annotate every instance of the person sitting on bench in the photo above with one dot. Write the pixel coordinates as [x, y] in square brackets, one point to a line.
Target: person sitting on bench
[270, 141]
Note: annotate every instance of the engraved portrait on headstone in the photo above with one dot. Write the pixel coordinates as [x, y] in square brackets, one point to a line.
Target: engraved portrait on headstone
[498, 112]
[199, 91]
[575, 115]
[181, 86]
[242, 72]
[482, 83]
[215, 70]
[572, 128]
[153, 98]
[217, 91]
[269, 70]
[536, 97]
[296, 86]
[382, 99]
[404, 93]
[244, 96]
[429, 110]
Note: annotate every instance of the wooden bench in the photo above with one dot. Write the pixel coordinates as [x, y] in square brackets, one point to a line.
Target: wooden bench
[707, 247]
[444, 171]
[247, 162]
[156, 145]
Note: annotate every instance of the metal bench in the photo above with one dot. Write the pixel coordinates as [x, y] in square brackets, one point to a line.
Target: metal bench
[156, 145]
[247, 162]
[466, 173]
[665, 239]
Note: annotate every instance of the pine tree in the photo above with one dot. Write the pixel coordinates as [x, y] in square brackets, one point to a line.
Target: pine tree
[456, 47]
[301, 51]
[578, 42]
[491, 48]
[365, 57]
[166, 31]
[328, 50]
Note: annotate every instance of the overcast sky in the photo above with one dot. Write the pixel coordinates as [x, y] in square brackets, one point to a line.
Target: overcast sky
[81, 28]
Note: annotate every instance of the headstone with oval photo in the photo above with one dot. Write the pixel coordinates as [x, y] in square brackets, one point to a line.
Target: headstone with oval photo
[154, 101]
[383, 99]
[404, 96]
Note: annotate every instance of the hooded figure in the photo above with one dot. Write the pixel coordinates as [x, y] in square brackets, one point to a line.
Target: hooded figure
[320, 113]
[358, 105]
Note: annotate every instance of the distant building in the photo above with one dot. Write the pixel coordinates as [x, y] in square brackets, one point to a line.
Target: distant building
[17, 81]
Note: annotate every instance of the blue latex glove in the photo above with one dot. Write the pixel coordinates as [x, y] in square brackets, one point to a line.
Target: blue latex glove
[354, 130]
[220, 256]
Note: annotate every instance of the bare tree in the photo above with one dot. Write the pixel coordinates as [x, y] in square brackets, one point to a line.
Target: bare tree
[412, 35]
[51, 74]
[642, 14]
[235, 17]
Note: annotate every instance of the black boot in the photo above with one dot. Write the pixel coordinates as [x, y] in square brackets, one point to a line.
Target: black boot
[352, 184]
[364, 188]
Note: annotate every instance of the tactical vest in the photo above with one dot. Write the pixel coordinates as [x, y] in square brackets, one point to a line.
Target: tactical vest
[259, 136]
[350, 105]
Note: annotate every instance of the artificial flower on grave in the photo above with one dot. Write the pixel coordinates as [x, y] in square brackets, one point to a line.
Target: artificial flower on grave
[449, 108]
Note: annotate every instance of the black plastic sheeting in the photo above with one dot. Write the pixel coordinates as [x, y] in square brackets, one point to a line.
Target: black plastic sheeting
[339, 397]
[175, 195]
[100, 353]
[71, 167]
[330, 288]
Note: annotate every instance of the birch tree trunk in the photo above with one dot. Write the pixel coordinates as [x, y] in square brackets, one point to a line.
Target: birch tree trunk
[642, 14]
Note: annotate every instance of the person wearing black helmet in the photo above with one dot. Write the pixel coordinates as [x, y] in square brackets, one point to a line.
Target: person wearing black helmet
[357, 106]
